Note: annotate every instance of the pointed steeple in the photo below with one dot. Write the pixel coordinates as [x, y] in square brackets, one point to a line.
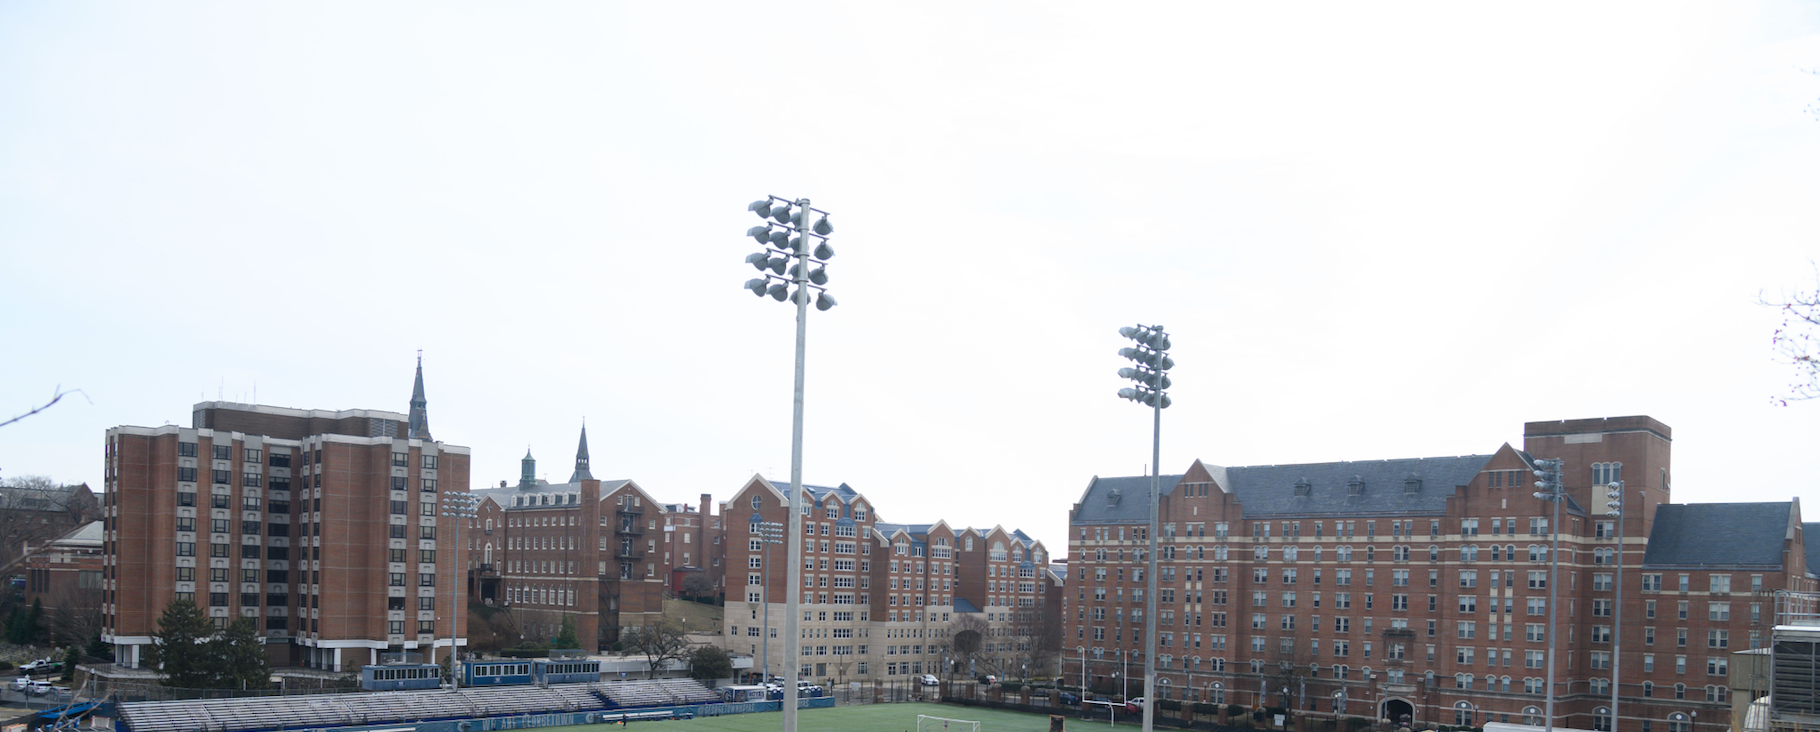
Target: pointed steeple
[527, 477]
[419, 428]
[581, 458]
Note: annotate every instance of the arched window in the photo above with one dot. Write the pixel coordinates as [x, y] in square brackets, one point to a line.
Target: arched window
[1506, 683]
[1532, 716]
[1677, 722]
[1462, 714]
[1649, 689]
[1434, 553]
[1216, 693]
[1601, 719]
[1680, 691]
[758, 502]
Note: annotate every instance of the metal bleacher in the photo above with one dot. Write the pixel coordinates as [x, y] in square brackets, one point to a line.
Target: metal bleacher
[253, 714]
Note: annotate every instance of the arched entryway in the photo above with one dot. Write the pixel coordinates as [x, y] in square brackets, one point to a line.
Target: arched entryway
[1398, 711]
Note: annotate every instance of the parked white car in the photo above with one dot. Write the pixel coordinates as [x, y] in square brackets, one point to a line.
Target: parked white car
[19, 684]
[930, 680]
[39, 688]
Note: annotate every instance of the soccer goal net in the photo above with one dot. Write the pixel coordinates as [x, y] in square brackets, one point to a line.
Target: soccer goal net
[926, 723]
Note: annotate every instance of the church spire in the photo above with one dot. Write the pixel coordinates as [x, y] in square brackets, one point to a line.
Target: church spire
[419, 428]
[581, 458]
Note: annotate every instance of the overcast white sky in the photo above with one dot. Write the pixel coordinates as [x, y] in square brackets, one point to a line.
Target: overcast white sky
[1377, 230]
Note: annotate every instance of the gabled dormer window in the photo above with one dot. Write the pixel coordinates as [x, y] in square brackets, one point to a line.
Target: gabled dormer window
[1412, 484]
[1303, 487]
[1355, 486]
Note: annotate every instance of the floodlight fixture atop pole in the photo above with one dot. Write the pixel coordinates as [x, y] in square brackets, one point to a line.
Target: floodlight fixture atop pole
[1548, 472]
[790, 246]
[1150, 374]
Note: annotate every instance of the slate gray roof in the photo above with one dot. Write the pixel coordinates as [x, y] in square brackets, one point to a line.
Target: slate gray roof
[1384, 486]
[962, 605]
[1718, 534]
[1119, 500]
[1812, 540]
[503, 496]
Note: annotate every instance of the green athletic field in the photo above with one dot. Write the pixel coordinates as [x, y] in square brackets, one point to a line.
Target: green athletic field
[864, 717]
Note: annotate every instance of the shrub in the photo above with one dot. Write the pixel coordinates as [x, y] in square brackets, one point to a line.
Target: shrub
[1169, 704]
[1206, 709]
[1234, 711]
[1357, 722]
[1011, 686]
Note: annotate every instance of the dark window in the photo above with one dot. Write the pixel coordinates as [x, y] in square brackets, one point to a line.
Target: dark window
[249, 551]
[279, 459]
[250, 480]
[218, 574]
[277, 600]
[429, 485]
[186, 548]
[398, 482]
[426, 603]
[278, 484]
[186, 523]
[219, 526]
[218, 550]
[395, 555]
[278, 552]
[401, 459]
[394, 603]
[186, 498]
[218, 599]
[186, 449]
[426, 532]
[220, 500]
[249, 527]
[280, 576]
[278, 507]
[186, 475]
[397, 532]
[429, 462]
[275, 623]
[186, 574]
[224, 452]
[426, 579]
[249, 599]
[222, 477]
[398, 507]
[280, 529]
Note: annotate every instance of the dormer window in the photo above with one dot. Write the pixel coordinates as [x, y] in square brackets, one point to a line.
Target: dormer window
[1412, 484]
[1112, 497]
[1302, 487]
[1355, 486]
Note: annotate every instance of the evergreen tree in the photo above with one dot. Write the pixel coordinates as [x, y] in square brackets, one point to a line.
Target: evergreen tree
[71, 657]
[239, 655]
[566, 638]
[34, 621]
[180, 648]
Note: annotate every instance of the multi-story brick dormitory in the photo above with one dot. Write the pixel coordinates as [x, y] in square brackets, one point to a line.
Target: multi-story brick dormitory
[879, 600]
[322, 526]
[1419, 586]
[597, 552]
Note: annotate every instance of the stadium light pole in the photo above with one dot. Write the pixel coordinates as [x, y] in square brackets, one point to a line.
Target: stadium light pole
[1152, 363]
[1549, 472]
[1615, 506]
[768, 533]
[790, 246]
[461, 506]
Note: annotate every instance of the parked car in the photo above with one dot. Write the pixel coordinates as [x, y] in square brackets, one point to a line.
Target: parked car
[930, 680]
[1068, 698]
[1135, 706]
[988, 679]
[38, 688]
[20, 683]
[41, 665]
[60, 692]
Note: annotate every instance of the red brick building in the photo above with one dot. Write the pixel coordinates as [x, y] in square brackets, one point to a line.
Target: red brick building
[321, 526]
[879, 599]
[597, 552]
[1420, 586]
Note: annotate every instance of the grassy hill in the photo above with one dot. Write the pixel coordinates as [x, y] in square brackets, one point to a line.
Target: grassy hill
[698, 618]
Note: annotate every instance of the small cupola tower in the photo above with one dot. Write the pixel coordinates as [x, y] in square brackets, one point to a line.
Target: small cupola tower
[527, 476]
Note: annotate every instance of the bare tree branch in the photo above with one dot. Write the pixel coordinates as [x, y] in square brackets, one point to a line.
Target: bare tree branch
[1797, 341]
[57, 397]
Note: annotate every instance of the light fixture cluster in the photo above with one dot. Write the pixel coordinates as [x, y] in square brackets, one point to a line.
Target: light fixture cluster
[1548, 471]
[1152, 365]
[1615, 492]
[795, 252]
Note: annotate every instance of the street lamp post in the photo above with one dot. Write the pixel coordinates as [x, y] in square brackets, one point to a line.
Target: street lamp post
[1549, 471]
[460, 506]
[1615, 492]
[1151, 385]
[790, 246]
[768, 533]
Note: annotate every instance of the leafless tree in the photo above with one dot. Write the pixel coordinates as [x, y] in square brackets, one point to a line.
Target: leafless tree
[75, 615]
[34, 509]
[1797, 341]
[1038, 636]
[658, 642]
[967, 636]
